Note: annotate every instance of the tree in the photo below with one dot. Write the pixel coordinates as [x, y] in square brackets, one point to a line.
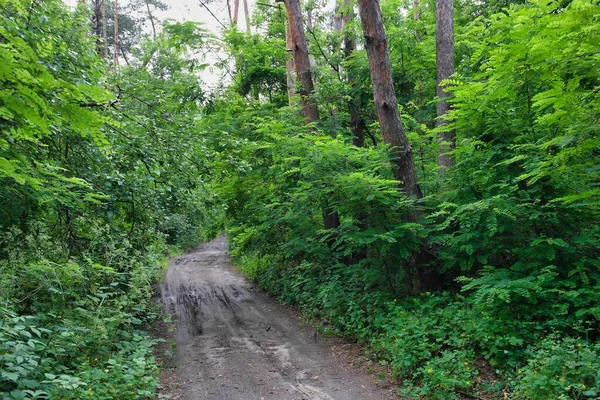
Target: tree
[344, 14]
[247, 15]
[384, 98]
[301, 60]
[236, 11]
[444, 51]
[104, 31]
[116, 35]
[289, 65]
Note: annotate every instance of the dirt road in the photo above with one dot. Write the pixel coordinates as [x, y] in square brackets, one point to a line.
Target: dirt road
[236, 343]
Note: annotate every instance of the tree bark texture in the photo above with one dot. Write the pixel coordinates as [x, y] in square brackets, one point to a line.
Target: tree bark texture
[301, 60]
[247, 14]
[236, 11]
[229, 12]
[289, 65]
[151, 20]
[104, 31]
[98, 23]
[331, 219]
[444, 35]
[384, 97]
[116, 35]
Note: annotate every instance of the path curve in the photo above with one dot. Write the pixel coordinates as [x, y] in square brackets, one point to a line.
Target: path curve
[234, 342]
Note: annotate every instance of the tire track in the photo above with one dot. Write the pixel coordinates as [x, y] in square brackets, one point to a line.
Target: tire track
[236, 343]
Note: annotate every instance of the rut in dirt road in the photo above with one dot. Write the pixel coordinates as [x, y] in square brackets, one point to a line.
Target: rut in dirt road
[237, 343]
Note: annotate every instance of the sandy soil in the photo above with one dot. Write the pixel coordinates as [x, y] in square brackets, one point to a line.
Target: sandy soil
[234, 342]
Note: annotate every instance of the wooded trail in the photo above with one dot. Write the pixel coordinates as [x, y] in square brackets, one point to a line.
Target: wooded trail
[235, 342]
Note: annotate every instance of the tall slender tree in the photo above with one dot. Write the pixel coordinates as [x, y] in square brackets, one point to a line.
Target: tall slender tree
[247, 15]
[104, 30]
[151, 19]
[116, 35]
[236, 11]
[444, 33]
[384, 97]
[301, 60]
[289, 65]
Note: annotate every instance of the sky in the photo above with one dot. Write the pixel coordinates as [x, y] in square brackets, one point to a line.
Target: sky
[192, 10]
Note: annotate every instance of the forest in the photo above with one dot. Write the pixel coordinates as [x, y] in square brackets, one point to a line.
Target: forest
[421, 177]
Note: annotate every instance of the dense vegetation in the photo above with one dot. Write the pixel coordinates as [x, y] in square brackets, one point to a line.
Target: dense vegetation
[106, 170]
[101, 178]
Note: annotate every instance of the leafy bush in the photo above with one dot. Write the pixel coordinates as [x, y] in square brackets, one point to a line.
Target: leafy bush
[560, 368]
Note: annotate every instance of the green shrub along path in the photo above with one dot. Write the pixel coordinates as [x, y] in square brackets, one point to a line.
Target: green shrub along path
[466, 262]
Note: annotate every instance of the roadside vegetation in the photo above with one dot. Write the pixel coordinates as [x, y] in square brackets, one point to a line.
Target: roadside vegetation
[100, 181]
[467, 262]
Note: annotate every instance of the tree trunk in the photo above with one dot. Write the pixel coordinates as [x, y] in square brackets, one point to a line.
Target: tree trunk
[444, 34]
[247, 13]
[229, 12]
[104, 31]
[337, 17]
[301, 60]
[384, 97]
[236, 11]
[151, 20]
[331, 219]
[97, 23]
[416, 17]
[289, 65]
[116, 36]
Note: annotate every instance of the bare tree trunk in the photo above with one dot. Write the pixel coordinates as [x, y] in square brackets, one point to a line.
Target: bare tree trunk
[97, 23]
[229, 11]
[124, 55]
[104, 32]
[247, 13]
[116, 36]
[301, 60]
[331, 218]
[151, 20]
[236, 11]
[337, 18]
[417, 16]
[384, 98]
[445, 68]
[289, 65]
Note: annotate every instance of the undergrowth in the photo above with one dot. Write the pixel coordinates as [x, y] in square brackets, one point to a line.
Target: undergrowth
[439, 345]
[74, 330]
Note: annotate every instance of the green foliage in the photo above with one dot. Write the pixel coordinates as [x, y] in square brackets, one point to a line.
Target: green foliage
[511, 225]
[102, 173]
[560, 369]
[96, 186]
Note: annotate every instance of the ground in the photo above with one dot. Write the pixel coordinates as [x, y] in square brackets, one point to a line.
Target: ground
[232, 341]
